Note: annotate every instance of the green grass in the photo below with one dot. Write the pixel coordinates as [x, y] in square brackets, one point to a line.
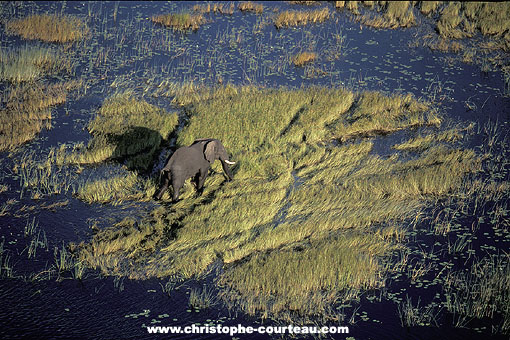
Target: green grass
[378, 114]
[31, 63]
[125, 129]
[287, 247]
[48, 28]
[116, 189]
[424, 142]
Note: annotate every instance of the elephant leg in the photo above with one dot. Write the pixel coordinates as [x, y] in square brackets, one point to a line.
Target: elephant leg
[177, 183]
[201, 180]
[164, 185]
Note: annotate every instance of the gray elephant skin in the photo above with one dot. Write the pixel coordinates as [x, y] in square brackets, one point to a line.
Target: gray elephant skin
[194, 162]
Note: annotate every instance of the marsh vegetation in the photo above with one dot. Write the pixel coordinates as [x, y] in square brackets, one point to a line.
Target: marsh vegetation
[348, 185]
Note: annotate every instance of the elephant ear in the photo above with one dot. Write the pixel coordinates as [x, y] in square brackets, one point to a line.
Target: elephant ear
[210, 152]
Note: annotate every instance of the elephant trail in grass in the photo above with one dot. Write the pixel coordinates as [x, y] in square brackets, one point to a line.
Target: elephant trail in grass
[192, 161]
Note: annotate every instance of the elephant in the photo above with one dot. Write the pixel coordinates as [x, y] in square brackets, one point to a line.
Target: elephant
[193, 161]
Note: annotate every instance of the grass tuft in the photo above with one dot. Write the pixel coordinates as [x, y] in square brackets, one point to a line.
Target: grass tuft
[31, 63]
[304, 58]
[250, 6]
[299, 18]
[48, 28]
[180, 21]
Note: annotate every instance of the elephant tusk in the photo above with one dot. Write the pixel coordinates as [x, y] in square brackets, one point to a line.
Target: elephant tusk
[229, 162]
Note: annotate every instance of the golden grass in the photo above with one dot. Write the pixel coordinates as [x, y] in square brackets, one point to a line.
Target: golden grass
[429, 7]
[116, 189]
[304, 58]
[377, 114]
[31, 63]
[297, 18]
[397, 14]
[28, 110]
[218, 7]
[126, 128]
[424, 142]
[250, 6]
[286, 246]
[48, 28]
[180, 21]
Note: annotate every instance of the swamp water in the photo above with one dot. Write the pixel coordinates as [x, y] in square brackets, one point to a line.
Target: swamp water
[125, 50]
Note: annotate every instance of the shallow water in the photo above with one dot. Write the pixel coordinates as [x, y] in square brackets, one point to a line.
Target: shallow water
[141, 55]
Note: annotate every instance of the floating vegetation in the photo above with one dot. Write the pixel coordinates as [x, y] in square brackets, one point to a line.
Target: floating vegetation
[297, 18]
[411, 315]
[180, 21]
[48, 28]
[304, 58]
[43, 178]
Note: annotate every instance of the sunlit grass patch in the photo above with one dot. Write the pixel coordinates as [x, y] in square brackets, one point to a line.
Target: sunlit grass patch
[397, 14]
[28, 110]
[424, 142]
[180, 21]
[308, 277]
[126, 128]
[304, 223]
[297, 18]
[450, 20]
[250, 6]
[49, 28]
[378, 114]
[217, 7]
[30, 63]
[429, 7]
[304, 58]
[116, 189]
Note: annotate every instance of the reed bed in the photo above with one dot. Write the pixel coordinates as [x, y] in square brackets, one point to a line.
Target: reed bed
[250, 6]
[299, 18]
[30, 63]
[48, 28]
[303, 224]
[180, 21]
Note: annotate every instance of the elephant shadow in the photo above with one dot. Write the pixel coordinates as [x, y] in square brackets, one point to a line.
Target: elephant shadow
[137, 148]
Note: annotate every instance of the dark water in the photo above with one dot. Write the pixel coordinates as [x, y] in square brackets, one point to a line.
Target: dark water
[229, 49]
